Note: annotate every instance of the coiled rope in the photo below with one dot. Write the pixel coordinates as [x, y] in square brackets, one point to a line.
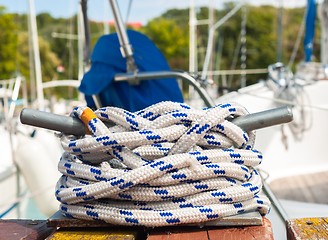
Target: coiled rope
[167, 164]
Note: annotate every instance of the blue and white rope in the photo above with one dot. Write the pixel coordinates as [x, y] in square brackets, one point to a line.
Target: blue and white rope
[167, 164]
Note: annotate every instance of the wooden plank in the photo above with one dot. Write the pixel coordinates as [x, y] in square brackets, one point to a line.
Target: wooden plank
[92, 234]
[307, 228]
[24, 229]
[58, 220]
[263, 232]
[226, 225]
[35, 230]
[178, 233]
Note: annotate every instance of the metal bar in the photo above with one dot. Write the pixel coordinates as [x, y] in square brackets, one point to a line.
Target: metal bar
[65, 124]
[264, 119]
[86, 57]
[126, 48]
[74, 126]
[61, 83]
[167, 74]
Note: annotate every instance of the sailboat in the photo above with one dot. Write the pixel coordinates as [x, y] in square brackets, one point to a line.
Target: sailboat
[28, 168]
[289, 149]
[295, 162]
[26, 157]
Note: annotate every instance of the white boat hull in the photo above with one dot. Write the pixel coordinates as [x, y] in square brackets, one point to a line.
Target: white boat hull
[28, 171]
[283, 154]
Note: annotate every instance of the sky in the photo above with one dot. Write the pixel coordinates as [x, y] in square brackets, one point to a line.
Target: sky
[141, 10]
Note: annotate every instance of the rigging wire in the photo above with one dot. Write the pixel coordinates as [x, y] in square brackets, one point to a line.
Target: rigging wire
[128, 12]
[281, 101]
[235, 58]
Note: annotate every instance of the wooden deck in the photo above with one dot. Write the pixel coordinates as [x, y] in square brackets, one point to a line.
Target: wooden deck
[37, 230]
[312, 188]
[307, 228]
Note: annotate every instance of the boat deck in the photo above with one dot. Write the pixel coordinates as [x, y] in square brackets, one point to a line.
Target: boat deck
[312, 188]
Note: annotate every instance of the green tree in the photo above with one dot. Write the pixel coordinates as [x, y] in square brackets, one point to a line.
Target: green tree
[23, 65]
[170, 39]
[261, 37]
[181, 18]
[8, 44]
[49, 60]
[170, 32]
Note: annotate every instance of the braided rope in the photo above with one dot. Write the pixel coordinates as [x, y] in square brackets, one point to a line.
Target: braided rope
[167, 164]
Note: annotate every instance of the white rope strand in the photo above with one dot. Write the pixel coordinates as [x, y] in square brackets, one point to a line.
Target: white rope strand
[167, 164]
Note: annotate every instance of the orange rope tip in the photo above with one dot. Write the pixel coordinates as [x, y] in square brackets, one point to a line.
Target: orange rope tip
[87, 115]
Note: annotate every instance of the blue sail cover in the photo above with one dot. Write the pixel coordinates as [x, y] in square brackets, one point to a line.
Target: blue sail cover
[107, 61]
[309, 30]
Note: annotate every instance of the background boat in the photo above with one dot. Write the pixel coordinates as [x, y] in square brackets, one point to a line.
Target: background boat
[27, 155]
[28, 167]
[294, 165]
[296, 149]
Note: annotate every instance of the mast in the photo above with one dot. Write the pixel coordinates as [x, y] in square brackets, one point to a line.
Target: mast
[309, 30]
[243, 48]
[279, 31]
[210, 41]
[192, 38]
[86, 55]
[80, 41]
[36, 55]
[324, 31]
[210, 25]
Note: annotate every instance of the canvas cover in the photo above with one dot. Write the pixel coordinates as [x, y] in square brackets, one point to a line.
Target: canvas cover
[106, 61]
